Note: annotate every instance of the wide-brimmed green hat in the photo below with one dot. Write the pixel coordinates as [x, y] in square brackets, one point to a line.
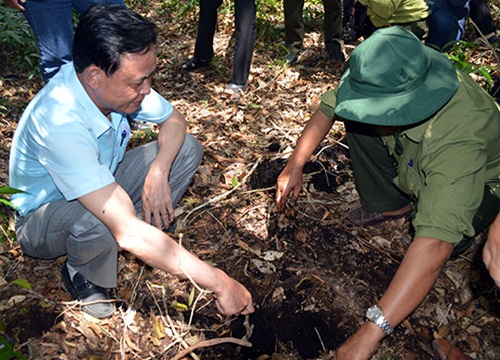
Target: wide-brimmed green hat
[394, 80]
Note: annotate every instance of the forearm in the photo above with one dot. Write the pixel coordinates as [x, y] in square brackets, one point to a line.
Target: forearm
[170, 139]
[315, 131]
[414, 279]
[114, 208]
[160, 251]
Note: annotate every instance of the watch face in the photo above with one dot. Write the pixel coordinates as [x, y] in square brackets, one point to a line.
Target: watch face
[373, 312]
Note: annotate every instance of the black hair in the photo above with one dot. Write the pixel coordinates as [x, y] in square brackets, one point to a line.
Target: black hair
[105, 32]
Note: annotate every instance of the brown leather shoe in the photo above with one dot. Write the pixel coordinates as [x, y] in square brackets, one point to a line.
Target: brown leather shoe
[444, 350]
[358, 217]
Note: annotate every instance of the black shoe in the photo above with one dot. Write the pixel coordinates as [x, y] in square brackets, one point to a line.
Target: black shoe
[194, 64]
[85, 291]
[291, 59]
[494, 39]
[334, 48]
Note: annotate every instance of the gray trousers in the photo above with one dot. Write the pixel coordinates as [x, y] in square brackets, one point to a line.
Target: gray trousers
[66, 228]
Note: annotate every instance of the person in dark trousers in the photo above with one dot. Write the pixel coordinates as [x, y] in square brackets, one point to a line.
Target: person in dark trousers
[447, 22]
[294, 29]
[444, 166]
[244, 40]
[480, 14]
[355, 21]
[84, 193]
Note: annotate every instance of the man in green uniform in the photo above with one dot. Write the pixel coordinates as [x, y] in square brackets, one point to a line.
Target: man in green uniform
[385, 13]
[442, 132]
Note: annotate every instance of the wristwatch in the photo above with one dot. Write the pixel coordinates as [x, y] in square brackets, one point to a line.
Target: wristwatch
[375, 314]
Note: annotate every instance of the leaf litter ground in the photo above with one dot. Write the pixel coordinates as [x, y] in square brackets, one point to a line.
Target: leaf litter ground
[312, 276]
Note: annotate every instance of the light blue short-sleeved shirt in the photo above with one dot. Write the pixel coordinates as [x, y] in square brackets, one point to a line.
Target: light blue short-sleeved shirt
[64, 146]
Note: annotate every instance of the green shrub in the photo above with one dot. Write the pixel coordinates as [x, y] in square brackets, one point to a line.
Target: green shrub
[17, 42]
[461, 55]
[6, 207]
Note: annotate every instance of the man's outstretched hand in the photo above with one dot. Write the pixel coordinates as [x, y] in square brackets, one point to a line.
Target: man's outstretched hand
[234, 298]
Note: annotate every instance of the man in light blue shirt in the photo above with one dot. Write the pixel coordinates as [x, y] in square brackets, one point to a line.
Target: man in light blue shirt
[84, 194]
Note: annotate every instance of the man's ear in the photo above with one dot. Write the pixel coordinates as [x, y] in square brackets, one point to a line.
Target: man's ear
[93, 76]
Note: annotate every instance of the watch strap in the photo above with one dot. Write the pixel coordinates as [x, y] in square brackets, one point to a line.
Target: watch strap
[375, 315]
[384, 325]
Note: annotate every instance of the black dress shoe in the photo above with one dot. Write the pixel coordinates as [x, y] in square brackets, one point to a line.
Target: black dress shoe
[195, 64]
[335, 48]
[81, 289]
[291, 59]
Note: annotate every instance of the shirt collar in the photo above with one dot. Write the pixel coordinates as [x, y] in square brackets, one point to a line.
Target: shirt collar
[416, 133]
[96, 119]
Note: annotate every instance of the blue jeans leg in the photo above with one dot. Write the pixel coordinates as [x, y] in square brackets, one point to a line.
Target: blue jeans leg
[51, 22]
[447, 21]
[443, 28]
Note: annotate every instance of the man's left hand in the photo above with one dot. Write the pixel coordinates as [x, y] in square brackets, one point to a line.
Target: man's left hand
[157, 201]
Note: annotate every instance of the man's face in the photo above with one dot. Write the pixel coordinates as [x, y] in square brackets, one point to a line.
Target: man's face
[126, 88]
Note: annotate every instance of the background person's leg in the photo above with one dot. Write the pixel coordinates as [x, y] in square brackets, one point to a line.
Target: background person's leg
[245, 34]
[51, 23]
[207, 24]
[481, 16]
[333, 29]
[294, 25]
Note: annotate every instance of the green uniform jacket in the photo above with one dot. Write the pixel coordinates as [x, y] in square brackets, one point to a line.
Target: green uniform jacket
[447, 160]
[383, 13]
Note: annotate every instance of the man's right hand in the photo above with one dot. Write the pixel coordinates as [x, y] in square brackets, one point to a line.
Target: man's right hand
[289, 181]
[14, 4]
[233, 298]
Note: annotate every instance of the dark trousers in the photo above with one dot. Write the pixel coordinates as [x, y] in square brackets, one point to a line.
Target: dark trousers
[244, 35]
[447, 22]
[480, 13]
[374, 171]
[294, 23]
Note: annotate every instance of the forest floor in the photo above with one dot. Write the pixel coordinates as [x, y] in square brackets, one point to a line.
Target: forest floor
[311, 275]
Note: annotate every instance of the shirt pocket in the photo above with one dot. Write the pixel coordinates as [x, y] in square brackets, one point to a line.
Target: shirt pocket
[409, 180]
